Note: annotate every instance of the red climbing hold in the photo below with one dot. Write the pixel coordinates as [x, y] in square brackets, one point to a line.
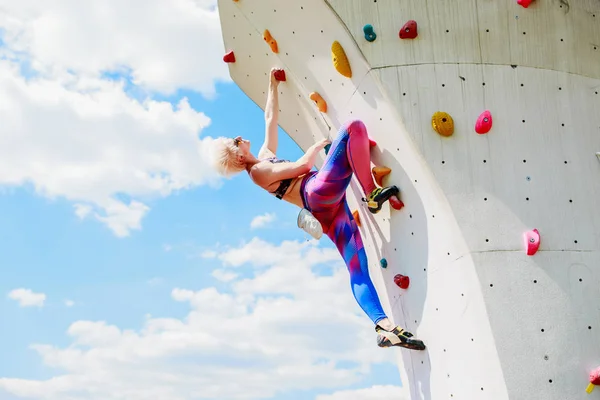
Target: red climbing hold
[409, 30]
[524, 3]
[372, 143]
[279, 75]
[484, 122]
[402, 281]
[594, 380]
[532, 241]
[396, 203]
[229, 57]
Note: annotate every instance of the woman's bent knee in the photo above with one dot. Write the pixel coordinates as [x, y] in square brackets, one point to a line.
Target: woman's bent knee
[356, 126]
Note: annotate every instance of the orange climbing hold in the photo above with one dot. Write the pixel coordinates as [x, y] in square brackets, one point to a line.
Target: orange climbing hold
[321, 104]
[340, 60]
[442, 123]
[356, 217]
[229, 57]
[379, 173]
[270, 41]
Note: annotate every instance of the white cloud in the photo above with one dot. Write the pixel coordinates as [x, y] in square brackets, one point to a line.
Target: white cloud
[163, 45]
[285, 329]
[27, 298]
[224, 276]
[260, 221]
[69, 303]
[373, 393]
[70, 131]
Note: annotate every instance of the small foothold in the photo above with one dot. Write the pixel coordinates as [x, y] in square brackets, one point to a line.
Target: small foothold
[402, 281]
[484, 123]
[370, 34]
[379, 173]
[524, 3]
[356, 217]
[598, 155]
[373, 143]
[229, 57]
[279, 75]
[594, 380]
[340, 60]
[409, 30]
[270, 41]
[321, 104]
[383, 263]
[532, 241]
[326, 148]
[443, 123]
[396, 203]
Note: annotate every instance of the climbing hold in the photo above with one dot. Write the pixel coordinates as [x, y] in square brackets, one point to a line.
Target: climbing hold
[402, 281]
[373, 143]
[327, 147]
[270, 41]
[532, 241]
[484, 122]
[321, 104]
[396, 203]
[340, 60]
[379, 173]
[229, 57]
[594, 380]
[442, 123]
[524, 3]
[409, 30]
[383, 263]
[370, 34]
[279, 75]
[598, 155]
[356, 217]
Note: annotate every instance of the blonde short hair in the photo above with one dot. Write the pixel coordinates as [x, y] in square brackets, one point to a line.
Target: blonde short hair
[225, 159]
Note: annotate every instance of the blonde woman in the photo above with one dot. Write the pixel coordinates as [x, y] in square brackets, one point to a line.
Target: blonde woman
[321, 198]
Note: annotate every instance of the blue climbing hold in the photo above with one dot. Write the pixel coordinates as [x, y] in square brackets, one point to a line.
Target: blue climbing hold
[370, 34]
[383, 263]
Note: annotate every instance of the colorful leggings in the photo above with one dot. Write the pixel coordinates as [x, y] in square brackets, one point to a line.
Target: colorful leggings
[324, 195]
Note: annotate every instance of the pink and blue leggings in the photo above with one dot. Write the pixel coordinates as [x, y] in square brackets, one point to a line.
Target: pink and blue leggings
[324, 195]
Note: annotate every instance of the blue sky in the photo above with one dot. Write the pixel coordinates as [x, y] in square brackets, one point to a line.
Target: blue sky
[158, 265]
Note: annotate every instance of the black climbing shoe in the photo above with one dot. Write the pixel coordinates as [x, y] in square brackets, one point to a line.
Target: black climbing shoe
[398, 337]
[379, 196]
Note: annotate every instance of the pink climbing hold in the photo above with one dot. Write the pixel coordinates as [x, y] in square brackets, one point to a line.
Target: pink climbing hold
[594, 380]
[532, 241]
[524, 3]
[484, 122]
[409, 30]
[402, 281]
[229, 57]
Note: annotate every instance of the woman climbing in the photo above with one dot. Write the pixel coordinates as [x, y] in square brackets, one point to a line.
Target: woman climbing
[322, 195]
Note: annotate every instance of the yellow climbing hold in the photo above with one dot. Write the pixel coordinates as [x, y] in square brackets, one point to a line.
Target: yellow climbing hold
[442, 123]
[270, 41]
[340, 61]
[321, 104]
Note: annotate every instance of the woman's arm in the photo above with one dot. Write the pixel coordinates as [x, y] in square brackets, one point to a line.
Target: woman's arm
[271, 118]
[268, 173]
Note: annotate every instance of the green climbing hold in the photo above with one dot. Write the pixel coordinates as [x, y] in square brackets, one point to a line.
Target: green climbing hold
[327, 147]
[370, 34]
[383, 263]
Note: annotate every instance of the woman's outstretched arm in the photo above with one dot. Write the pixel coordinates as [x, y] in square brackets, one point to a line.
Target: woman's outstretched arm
[271, 119]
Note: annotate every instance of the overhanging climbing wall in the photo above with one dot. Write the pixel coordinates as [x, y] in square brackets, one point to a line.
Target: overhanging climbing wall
[499, 323]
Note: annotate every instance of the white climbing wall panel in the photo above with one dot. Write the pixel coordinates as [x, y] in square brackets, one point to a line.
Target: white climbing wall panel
[498, 324]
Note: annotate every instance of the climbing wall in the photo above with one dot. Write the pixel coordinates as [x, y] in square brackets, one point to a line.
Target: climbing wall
[486, 112]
